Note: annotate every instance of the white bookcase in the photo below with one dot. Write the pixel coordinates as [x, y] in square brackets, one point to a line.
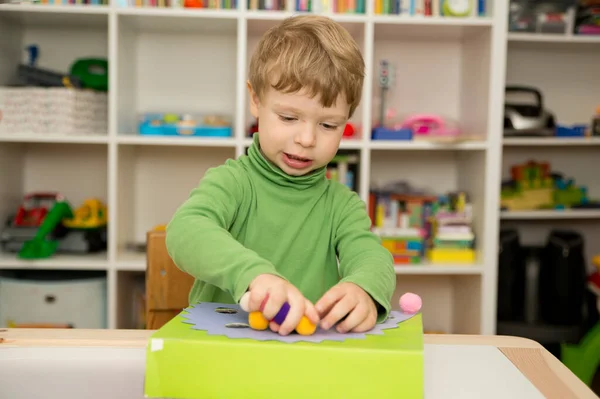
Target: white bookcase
[184, 60]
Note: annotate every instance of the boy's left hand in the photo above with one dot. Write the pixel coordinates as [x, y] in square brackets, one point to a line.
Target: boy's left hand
[350, 301]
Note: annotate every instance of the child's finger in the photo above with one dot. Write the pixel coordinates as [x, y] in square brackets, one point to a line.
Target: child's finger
[355, 318]
[277, 297]
[274, 326]
[327, 301]
[311, 312]
[297, 308]
[257, 297]
[339, 310]
[366, 325]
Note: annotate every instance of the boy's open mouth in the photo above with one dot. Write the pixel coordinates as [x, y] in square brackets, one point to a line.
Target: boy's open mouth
[297, 158]
[296, 162]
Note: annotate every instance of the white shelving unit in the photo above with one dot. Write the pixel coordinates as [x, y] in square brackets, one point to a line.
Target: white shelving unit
[180, 60]
[565, 69]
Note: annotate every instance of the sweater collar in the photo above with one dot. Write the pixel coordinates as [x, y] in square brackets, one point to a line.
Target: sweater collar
[272, 172]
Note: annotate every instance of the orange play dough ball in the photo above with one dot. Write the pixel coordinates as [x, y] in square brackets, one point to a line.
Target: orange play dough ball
[257, 321]
[305, 327]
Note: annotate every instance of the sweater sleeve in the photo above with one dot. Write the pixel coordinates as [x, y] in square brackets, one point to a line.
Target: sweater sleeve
[363, 260]
[198, 238]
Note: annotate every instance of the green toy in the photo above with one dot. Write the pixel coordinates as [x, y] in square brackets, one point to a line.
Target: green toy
[39, 247]
[583, 359]
[456, 8]
[92, 72]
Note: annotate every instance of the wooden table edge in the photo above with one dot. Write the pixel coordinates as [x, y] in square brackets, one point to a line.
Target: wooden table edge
[544, 370]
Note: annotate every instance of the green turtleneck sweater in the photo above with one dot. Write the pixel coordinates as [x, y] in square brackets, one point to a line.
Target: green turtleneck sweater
[248, 217]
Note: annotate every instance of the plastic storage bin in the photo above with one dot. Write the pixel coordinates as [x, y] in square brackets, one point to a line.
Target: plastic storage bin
[79, 302]
[162, 124]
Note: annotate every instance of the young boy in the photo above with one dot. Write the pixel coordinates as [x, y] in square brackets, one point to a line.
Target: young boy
[270, 222]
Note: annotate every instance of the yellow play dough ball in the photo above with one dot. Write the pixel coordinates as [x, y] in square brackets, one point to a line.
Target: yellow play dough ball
[305, 327]
[257, 321]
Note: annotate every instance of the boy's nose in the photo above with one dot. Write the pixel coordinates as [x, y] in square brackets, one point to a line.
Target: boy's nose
[307, 137]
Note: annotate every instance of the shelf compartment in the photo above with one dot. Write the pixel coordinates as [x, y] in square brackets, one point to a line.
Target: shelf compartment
[567, 88]
[77, 171]
[446, 75]
[443, 173]
[193, 68]
[153, 181]
[576, 165]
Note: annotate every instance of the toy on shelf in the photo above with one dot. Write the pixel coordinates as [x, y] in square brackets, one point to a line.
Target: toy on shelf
[527, 119]
[172, 124]
[92, 214]
[430, 127]
[42, 245]
[257, 320]
[452, 236]
[385, 128]
[532, 187]
[45, 224]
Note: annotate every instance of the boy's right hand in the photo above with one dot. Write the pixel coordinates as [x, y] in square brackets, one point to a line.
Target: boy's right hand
[275, 291]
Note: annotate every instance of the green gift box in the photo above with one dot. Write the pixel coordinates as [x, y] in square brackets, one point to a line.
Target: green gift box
[209, 352]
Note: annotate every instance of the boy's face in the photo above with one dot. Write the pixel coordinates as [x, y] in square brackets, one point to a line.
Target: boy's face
[296, 132]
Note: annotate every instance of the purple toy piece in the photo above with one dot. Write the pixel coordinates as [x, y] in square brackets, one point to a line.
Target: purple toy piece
[282, 314]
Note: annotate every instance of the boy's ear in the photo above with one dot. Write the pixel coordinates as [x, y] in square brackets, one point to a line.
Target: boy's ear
[254, 101]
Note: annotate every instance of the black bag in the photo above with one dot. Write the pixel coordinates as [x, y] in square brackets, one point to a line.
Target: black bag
[562, 278]
[511, 277]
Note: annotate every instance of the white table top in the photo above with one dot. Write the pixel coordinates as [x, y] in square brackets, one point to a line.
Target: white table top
[94, 364]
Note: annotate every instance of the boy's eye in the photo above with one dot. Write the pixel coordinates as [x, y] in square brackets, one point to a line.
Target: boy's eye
[286, 118]
[329, 127]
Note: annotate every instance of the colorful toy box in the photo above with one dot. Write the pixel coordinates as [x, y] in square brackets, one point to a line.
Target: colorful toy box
[171, 124]
[208, 352]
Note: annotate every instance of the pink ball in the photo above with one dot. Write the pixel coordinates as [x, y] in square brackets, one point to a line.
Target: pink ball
[410, 303]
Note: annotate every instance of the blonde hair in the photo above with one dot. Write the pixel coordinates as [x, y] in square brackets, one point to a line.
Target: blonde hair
[309, 52]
